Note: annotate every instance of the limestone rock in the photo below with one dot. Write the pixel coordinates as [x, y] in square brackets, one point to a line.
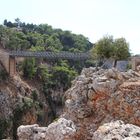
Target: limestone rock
[5, 104]
[97, 97]
[25, 132]
[117, 131]
[62, 129]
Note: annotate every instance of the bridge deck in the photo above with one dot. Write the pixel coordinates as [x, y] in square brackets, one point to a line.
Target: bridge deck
[51, 55]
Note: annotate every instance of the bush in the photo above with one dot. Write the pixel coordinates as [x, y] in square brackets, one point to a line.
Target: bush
[3, 75]
[19, 111]
[43, 73]
[29, 68]
[34, 95]
[129, 66]
[4, 125]
[63, 75]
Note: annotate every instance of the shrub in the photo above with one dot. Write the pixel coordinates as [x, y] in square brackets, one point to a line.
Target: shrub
[29, 68]
[63, 75]
[43, 73]
[4, 125]
[3, 75]
[34, 95]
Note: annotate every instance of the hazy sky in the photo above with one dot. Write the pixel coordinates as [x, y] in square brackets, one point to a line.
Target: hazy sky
[92, 18]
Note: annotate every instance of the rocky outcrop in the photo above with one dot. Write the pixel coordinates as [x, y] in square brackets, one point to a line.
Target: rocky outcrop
[18, 106]
[117, 131]
[23, 102]
[62, 129]
[98, 97]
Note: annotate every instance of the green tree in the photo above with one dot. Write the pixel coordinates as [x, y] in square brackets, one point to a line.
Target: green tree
[104, 47]
[35, 39]
[3, 36]
[43, 73]
[107, 47]
[53, 43]
[37, 48]
[29, 68]
[62, 75]
[17, 22]
[44, 29]
[121, 49]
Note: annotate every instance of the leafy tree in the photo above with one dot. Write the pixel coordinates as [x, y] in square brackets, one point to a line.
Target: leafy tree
[37, 48]
[53, 43]
[107, 47]
[44, 29]
[5, 22]
[35, 39]
[104, 47]
[29, 68]
[44, 35]
[121, 49]
[63, 75]
[66, 40]
[3, 36]
[43, 73]
[17, 40]
[10, 24]
[81, 43]
[17, 22]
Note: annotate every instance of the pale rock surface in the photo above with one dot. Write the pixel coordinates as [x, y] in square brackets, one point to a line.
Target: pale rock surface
[62, 129]
[25, 132]
[117, 131]
[98, 97]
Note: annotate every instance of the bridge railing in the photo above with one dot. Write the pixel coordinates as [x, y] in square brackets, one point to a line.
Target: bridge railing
[51, 55]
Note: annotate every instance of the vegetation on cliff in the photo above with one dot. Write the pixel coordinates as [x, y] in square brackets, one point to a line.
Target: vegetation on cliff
[21, 36]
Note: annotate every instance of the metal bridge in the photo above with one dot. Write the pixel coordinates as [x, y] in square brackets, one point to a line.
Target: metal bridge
[8, 59]
[51, 55]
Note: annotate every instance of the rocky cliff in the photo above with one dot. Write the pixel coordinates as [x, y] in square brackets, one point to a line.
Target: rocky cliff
[24, 101]
[95, 98]
[20, 104]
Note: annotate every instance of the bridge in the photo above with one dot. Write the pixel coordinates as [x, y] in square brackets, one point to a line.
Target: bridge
[51, 55]
[8, 59]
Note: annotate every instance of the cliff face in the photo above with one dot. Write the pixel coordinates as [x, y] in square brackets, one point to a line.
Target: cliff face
[20, 104]
[95, 98]
[25, 102]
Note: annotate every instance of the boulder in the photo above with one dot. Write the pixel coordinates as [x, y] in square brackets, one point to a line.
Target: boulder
[61, 129]
[117, 130]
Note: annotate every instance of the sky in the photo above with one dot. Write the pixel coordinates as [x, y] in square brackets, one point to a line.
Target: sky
[92, 18]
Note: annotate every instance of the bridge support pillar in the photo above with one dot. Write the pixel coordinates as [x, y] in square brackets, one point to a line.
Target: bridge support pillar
[133, 61]
[12, 66]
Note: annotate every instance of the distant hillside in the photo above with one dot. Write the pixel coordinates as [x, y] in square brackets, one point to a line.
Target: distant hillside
[21, 36]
